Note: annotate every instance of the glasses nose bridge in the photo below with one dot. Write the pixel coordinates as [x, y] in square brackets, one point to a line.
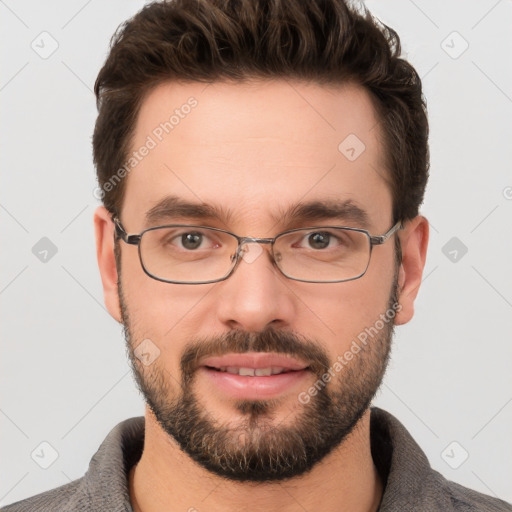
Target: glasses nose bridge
[244, 240]
[254, 240]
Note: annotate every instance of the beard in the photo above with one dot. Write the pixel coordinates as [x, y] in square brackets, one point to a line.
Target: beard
[258, 448]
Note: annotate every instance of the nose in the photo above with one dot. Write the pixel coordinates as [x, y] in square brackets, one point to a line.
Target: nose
[256, 294]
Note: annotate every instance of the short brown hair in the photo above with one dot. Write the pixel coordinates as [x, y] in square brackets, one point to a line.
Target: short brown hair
[324, 41]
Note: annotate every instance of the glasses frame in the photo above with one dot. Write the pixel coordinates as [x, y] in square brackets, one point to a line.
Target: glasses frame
[135, 239]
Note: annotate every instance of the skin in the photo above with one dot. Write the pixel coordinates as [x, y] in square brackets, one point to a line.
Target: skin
[256, 148]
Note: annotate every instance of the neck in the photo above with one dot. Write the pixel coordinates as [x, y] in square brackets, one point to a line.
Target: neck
[166, 479]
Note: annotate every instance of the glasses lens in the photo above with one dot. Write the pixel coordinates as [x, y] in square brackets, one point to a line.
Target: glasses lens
[187, 254]
[323, 254]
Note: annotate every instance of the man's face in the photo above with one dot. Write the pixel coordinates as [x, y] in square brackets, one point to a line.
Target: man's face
[253, 152]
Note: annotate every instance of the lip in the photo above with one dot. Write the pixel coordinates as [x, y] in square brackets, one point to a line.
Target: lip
[255, 360]
[254, 387]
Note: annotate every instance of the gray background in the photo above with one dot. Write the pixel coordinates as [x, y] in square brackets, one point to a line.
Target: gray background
[64, 376]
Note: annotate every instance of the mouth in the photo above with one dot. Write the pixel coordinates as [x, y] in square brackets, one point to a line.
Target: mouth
[253, 372]
[254, 376]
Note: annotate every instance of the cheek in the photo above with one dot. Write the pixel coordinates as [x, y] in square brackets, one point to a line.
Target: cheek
[157, 309]
[348, 310]
[339, 312]
[167, 314]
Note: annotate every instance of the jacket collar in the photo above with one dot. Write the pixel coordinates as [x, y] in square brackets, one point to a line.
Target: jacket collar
[409, 481]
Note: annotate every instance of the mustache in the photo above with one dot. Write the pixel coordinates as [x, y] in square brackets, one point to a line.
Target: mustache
[269, 340]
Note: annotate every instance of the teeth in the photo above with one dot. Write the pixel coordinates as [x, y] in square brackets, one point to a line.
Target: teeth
[251, 372]
[263, 372]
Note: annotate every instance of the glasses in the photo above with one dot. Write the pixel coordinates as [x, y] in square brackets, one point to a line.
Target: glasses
[186, 254]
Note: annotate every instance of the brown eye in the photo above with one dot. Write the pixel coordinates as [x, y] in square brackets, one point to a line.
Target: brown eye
[319, 240]
[191, 240]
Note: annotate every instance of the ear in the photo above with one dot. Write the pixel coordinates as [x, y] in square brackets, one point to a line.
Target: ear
[414, 242]
[104, 230]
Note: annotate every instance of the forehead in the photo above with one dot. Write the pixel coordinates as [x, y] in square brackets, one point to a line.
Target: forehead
[255, 149]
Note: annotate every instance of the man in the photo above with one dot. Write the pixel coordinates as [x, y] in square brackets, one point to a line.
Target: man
[261, 164]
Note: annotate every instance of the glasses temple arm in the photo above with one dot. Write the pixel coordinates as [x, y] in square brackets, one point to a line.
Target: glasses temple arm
[121, 233]
[380, 239]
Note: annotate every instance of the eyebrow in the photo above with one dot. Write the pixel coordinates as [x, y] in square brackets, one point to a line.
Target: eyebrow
[173, 206]
[347, 211]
